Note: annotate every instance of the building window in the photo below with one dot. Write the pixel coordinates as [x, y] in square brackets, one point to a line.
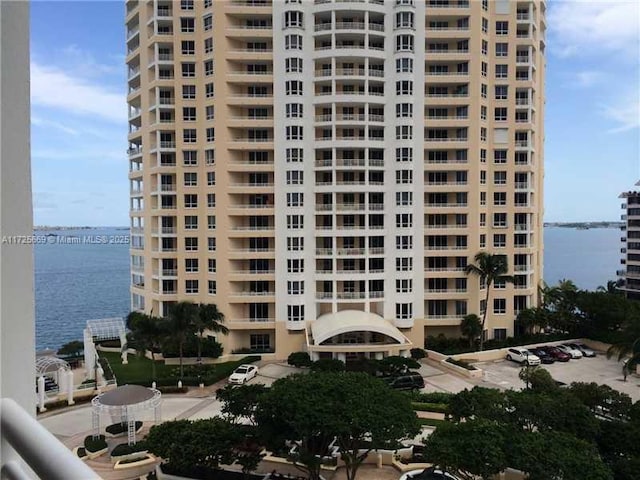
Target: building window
[293, 42]
[485, 47]
[485, 25]
[502, 49]
[499, 306]
[295, 244]
[207, 22]
[295, 222]
[191, 286]
[208, 45]
[404, 65]
[404, 311]
[404, 132]
[188, 70]
[190, 158]
[404, 20]
[404, 242]
[186, 4]
[404, 264]
[500, 114]
[294, 155]
[293, 110]
[211, 200]
[499, 333]
[499, 198]
[187, 25]
[500, 156]
[404, 154]
[295, 287]
[295, 199]
[295, 177]
[404, 199]
[293, 132]
[211, 222]
[208, 90]
[210, 112]
[191, 222]
[208, 67]
[210, 156]
[191, 244]
[211, 265]
[404, 285]
[293, 19]
[190, 179]
[295, 265]
[293, 87]
[191, 201]
[404, 43]
[212, 287]
[189, 135]
[404, 87]
[404, 110]
[259, 342]
[189, 92]
[211, 134]
[502, 28]
[295, 313]
[211, 179]
[293, 65]
[191, 265]
[211, 244]
[502, 71]
[188, 47]
[499, 240]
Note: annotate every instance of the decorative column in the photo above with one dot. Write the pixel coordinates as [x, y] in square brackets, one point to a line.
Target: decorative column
[62, 380]
[41, 394]
[70, 387]
[95, 420]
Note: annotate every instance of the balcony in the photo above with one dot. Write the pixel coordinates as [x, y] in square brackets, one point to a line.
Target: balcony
[38, 448]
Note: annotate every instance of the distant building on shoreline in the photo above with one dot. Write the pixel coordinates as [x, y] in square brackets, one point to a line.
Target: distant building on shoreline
[631, 248]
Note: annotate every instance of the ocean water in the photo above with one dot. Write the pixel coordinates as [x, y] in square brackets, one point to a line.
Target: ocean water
[76, 282]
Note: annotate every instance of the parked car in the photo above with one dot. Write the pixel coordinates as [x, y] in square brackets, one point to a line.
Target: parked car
[571, 351]
[431, 473]
[411, 381]
[522, 355]
[542, 355]
[559, 355]
[586, 351]
[243, 374]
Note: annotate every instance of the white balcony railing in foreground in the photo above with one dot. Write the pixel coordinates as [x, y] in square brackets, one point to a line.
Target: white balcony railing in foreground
[37, 447]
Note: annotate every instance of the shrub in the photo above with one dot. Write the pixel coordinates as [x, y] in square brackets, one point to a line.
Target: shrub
[81, 452]
[210, 348]
[173, 389]
[92, 445]
[418, 353]
[461, 363]
[71, 349]
[122, 427]
[432, 397]
[109, 343]
[430, 407]
[328, 365]
[299, 359]
[125, 449]
[432, 422]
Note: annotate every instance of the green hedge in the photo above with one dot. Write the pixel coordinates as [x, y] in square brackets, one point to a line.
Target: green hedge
[124, 449]
[116, 428]
[173, 389]
[461, 363]
[81, 452]
[453, 346]
[432, 397]
[431, 422]
[92, 445]
[430, 407]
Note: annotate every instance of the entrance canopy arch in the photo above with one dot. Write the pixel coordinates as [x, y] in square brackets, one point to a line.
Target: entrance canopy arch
[355, 332]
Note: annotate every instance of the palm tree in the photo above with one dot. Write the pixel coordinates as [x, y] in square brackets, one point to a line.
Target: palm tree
[148, 332]
[471, 327]
[489, 268]
[612, 287]
[209, 318]
[629, 348]
[181, 325]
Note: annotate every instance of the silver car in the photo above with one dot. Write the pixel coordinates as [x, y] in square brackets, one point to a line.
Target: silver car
[586, 351]
[574, 352]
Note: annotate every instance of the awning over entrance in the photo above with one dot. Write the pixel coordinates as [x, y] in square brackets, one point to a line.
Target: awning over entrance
[332, 324]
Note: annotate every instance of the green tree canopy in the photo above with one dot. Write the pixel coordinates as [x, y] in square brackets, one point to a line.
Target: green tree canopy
[240, 402]
[361, 412]
[471, 328]
[72, 348]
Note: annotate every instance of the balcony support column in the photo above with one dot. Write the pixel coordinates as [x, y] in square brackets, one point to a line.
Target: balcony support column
[70, 387]
[41, 394]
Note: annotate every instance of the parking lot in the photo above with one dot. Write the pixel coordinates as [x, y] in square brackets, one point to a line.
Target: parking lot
[504, 374]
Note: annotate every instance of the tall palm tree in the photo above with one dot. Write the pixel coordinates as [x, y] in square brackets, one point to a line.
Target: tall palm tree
[629, 348]
[181, 325]
[489, 268]
[612, 287]
[209, 318]
[148, 331]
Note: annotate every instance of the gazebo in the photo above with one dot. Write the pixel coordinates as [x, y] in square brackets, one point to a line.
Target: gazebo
[58, 370]
[102, 329]
[126, 403]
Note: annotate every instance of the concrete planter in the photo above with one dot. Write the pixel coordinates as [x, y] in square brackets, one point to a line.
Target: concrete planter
[129, 456]
[147, 460]
[92, 455]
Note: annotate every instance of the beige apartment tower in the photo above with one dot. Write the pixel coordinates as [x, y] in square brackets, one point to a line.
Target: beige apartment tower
[323, 171]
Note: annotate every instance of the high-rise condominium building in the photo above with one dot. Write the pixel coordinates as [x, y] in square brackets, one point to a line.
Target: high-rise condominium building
[323, 170]
[630, 275]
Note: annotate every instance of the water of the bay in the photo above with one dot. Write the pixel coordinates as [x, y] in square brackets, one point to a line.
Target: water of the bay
[76, 282]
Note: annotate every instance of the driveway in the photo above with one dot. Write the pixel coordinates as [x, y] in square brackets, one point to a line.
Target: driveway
[504, 374]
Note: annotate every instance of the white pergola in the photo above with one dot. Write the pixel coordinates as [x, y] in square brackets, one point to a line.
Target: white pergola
[50, 365]
[98, 330]
[126, 403]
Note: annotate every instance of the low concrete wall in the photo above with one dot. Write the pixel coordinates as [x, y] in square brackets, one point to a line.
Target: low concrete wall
[501, 353]
[441, 360]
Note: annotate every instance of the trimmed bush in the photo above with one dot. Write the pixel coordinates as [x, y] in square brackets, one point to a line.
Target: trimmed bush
[210, 348]
[299, 359]
[432, 422]
[173, 389]
[430, 407]
[124, 449]
[461, 363]
[417, 353]
[117, 428]
[81, 452]
[432, 397]
[328, 365]
[92, 445]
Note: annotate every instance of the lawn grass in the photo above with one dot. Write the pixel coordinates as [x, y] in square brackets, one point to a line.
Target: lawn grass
[137, 368]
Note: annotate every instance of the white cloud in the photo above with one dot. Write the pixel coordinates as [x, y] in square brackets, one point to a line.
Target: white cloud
[625, 112]
[587, 27]
[55, 88]
[587, 78]
[43, 122]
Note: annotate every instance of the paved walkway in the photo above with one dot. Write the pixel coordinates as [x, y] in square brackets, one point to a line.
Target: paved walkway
[71, 425]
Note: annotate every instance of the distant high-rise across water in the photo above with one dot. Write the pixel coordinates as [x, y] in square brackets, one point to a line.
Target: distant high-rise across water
[324, 171]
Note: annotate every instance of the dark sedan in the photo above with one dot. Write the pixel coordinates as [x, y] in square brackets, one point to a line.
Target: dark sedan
[557, 354]
[543, 355]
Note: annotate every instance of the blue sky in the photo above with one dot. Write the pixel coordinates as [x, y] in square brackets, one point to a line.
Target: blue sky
[79, 124]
